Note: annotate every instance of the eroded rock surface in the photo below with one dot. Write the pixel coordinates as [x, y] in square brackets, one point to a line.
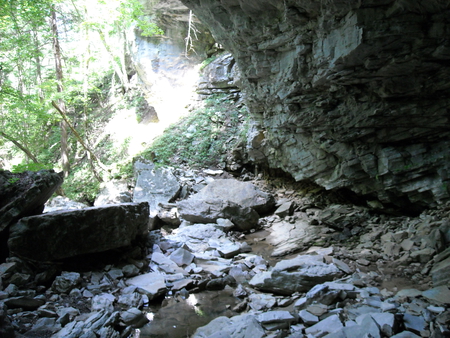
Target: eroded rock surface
[348, 93]
[25, 194]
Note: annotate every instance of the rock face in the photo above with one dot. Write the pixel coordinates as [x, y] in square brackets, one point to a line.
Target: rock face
[348, 94]
[59, 235]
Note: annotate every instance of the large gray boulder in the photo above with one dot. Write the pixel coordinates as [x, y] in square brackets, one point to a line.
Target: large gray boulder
[298, 274]
[154, 186]
[59, 235]
[240, 202]
[197, 210]
[244, 194]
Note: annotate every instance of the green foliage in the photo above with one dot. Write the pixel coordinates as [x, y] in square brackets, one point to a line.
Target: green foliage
[202, 138]
[29, 167]
[82, 185]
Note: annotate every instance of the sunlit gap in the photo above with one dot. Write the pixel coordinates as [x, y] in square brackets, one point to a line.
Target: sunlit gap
[170, 102]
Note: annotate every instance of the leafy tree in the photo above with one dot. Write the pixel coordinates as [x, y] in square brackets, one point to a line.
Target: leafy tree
[53, 72]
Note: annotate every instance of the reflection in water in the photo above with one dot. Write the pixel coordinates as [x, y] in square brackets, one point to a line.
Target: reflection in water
[179, 318]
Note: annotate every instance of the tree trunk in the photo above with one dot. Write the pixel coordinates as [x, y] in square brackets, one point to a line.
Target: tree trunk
[61, 104]
[20, 146]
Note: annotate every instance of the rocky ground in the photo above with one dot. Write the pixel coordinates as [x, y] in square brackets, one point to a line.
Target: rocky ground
[313, 265]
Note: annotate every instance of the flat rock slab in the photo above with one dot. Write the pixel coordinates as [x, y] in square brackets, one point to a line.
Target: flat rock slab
[152, 284]
[288, 238]
[242, 326]
[298, 274]
[60, 235]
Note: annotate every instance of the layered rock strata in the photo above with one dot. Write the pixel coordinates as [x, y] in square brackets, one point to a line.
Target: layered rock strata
[349, 94]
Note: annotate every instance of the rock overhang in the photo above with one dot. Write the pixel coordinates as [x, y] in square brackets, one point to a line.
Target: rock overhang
[349, 95]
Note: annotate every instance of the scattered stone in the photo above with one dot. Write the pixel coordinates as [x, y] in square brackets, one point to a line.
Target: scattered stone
[66, 282]
[134, 318]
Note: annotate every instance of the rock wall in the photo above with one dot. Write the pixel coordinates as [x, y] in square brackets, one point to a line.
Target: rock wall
[346, 93]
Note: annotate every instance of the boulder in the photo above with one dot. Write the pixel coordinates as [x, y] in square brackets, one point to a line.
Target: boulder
[298, 274]
[288, 238]
[60, 235]
[199, 210]
[154, 185]
[25, 194]
[245, 194]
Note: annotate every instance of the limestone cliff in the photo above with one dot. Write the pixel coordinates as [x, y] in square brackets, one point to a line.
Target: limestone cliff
[346, 93]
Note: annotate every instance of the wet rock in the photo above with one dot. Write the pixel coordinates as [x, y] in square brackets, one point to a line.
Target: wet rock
[85, 231]
[44, 327]
[220, 283]
[134, 318]
[405, 334]
[234, 327]
[295, 275]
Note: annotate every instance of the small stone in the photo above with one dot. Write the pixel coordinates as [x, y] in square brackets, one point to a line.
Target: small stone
[130, 270]
[66, 282]
[407, 244]
[103, 301]
[308, 318]
[134, 318]
[436, 309]
[363, 261]
[317, 309]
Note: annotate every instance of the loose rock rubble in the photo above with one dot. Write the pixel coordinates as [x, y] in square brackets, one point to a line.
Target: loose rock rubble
[313, 267]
